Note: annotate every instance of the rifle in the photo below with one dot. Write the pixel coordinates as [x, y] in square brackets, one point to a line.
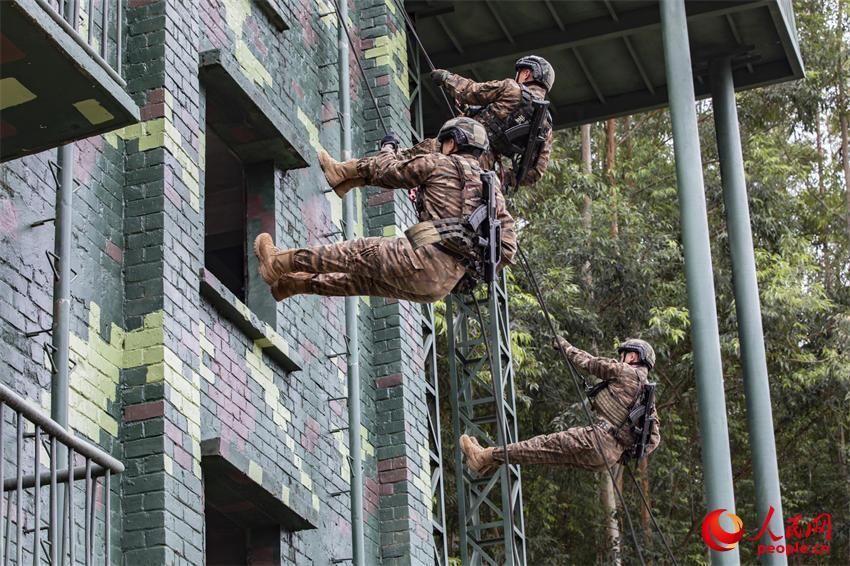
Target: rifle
[532, 146]
[493, 251]
[648, 419]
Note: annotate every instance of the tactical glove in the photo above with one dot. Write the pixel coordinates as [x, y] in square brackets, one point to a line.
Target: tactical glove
[440, 76]
[392, 140]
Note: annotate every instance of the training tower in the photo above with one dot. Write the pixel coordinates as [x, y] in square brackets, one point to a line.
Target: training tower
[144, 143]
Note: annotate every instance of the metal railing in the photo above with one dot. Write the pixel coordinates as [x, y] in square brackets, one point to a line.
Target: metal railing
[103, 23]
[21, 504]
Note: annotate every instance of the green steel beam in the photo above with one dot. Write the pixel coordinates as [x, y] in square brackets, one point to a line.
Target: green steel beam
[717, 465]
[747, 305]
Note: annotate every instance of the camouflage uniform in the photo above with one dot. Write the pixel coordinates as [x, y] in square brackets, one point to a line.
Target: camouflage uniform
[390, 267]
[501, 98]
[578, 446]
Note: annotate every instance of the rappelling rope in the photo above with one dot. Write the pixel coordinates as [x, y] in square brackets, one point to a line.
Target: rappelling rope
[576, 377]
[651, 514]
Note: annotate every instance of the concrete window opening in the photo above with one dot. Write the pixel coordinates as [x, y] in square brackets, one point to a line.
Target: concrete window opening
[224, 215]
[231, 542]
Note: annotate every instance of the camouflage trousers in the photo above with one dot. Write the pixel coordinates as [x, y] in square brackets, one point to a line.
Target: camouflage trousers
[576, 447]
[380, 267]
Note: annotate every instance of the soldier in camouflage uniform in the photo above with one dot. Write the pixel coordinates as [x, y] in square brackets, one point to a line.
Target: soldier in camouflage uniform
[499, 105]
[450, 187]
[582, 447]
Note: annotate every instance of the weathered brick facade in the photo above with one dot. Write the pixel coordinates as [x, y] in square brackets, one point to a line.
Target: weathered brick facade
[168, 363]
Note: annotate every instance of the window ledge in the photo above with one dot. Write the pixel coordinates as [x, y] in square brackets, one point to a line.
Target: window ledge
[251, 494]
[274, 12]
[237, 312]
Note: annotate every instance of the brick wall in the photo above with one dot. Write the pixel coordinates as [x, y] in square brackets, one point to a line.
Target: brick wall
[159, 369]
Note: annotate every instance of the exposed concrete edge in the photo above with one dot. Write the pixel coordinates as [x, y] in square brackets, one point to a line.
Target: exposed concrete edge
[237, 312]
[77, 53]
[296, 512]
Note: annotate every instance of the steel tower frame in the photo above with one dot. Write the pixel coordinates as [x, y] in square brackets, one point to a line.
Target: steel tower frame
[483, 400]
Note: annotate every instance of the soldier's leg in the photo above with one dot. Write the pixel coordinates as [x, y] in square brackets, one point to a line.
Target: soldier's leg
[576, 447]
[386, 273]
[342, 285]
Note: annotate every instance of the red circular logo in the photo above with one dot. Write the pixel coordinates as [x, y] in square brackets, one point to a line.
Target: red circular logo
[716, 537]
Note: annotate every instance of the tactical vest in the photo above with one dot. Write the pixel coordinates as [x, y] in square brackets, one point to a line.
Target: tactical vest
[506, 135]
[610, 408]
[458, 236]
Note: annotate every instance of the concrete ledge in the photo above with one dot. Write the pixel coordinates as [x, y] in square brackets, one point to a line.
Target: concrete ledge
[242, 116]
[234, 310]
[55, 92]
[250, 495]
[275, 13]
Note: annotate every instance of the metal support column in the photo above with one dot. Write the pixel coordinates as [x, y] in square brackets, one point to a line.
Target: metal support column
[705, 338]
[747, 305]
[492, 529]
[352, 332]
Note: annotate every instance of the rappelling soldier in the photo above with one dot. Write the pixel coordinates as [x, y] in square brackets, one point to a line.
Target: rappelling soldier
[506, 108]
[626, 424]
[426, 264]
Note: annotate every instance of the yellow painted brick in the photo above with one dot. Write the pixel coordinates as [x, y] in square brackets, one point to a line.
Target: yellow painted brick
[168, 464]
[389, 231]
[316, 504]
[284, 495]
[255, 472]
[155, 373]
[306, 481]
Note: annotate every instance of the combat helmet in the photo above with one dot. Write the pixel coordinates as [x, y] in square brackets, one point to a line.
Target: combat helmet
[467, 133]
[541, 71]
[642, 348]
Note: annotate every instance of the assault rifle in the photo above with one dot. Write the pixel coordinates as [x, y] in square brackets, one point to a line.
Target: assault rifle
[643, 427]
[492, 253]
[534, 143]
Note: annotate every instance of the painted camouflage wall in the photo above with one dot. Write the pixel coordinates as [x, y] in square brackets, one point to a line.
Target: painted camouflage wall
[158, 368]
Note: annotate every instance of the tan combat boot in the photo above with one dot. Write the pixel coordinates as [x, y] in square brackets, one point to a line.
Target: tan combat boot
[346, 186]
[290, 285]
[274, 263]
[478, 459]
[337, 172]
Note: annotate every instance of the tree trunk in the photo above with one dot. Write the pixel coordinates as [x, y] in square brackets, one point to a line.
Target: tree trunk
[610, 163]
[842, 116]
[586, 275]
[609, 505]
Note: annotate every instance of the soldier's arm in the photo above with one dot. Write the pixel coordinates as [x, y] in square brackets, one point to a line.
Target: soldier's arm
[426, 146]
[654, 433]
[388, 171]
[606, 369]
[533, 175]
[467, 91]
[508, 233]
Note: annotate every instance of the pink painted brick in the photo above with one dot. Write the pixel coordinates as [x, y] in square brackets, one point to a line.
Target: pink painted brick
[144, 411]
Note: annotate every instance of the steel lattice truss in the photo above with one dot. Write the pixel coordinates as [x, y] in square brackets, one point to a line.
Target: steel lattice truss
[489, 507]
[435, 451]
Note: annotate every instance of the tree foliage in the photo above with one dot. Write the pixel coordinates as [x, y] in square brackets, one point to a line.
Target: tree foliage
[604, 286]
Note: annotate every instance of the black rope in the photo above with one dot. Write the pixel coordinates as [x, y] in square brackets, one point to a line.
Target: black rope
[500, 421]
[651, 515]
[360, 66]
[423, 51]
[576, 376]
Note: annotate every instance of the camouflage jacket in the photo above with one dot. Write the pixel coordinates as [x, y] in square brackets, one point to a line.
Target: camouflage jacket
[438, 176]
[624, 385]
[502, 98]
